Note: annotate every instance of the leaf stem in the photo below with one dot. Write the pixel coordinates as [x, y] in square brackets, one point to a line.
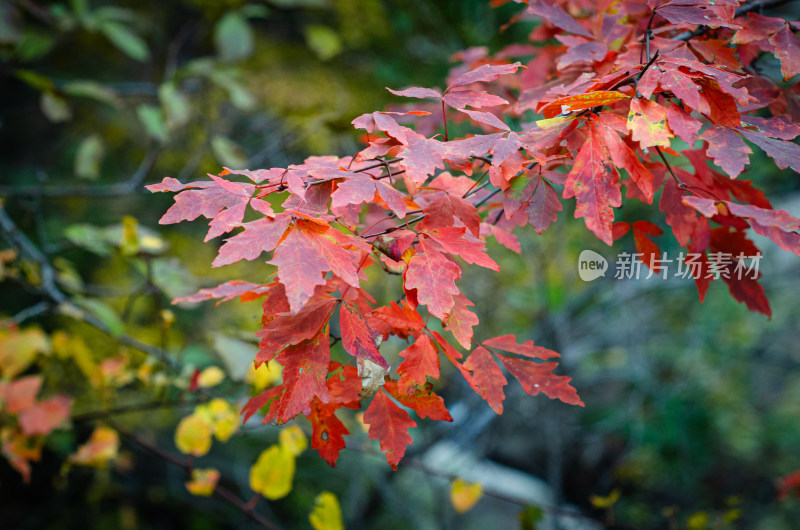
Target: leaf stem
[444, 118]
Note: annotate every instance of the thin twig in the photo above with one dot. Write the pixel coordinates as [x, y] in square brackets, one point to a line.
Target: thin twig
[444, 119]
[483, 201]
[25, 314]
[136, 407]
[133, 184]
[742, 10]
[473, 191]
[220, 490]
[669, 168]
[50, 290]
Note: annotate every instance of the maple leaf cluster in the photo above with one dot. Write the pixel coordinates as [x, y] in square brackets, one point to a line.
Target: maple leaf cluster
[621, 87]
[35, 418]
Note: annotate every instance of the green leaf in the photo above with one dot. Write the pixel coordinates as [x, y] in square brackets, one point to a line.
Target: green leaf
[530, 517]
[101, 241]
[323, 41]
[55, 107]
[80, 7]
[118, 14]
[68, 275]
[34, 45]
[173, 278]
[89, 156]
[233, 37]
[241, 98]
[92, 90]
[228, 152]
[153, 121]
[175, 105]
[104, 312]
[34, 80]
[237, 355]
[88, 237]
[125, 40]
[255, 11]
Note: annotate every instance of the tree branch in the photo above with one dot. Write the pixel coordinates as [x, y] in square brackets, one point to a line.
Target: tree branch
[25, 314]
[136, 407]
[132, 185]
[742, 10]
[220, 490]
[50, 290]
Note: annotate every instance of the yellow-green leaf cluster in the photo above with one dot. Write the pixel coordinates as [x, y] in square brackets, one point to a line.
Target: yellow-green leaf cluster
[99, 450]
[273, 472]
[464, 495]
[203, 482]
[216, 418]
[326, 514]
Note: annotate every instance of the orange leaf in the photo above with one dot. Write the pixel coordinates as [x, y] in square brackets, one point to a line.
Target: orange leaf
[581, 101]
[421, 360]
[647, 121]
[45, 416]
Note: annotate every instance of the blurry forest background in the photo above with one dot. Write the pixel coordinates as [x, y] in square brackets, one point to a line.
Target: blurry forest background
[692, 410]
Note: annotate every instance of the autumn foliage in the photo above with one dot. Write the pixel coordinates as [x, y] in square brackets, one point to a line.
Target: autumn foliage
[609, 103]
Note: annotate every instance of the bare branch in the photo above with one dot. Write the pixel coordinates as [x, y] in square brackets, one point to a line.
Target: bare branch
[220, 490]
[132, 185]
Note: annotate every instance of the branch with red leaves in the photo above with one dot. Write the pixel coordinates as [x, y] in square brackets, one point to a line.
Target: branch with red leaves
[612, 95]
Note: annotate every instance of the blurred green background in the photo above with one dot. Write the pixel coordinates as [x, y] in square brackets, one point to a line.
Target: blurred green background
[692, 411]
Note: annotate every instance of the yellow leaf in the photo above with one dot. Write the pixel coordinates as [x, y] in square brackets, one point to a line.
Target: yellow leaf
[75, 348]
[464, 495]
[144, 372]
[102, 447]
[553, 122]
[698, 521]
[203, 482]
[604, 502]
[360, 420]
[193, 435]
[167, 317]
[222, 418]
[272, 474]
[267, 374]
[326, 515]
[211, 376]
[18, 349]
[293, 439]
[129, 244]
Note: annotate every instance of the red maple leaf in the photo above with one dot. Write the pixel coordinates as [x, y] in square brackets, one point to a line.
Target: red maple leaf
[358, 337]
[594, 182]
[421, 361]
[389, 424]
[327, 435]
[487, 377]
[433, 276]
